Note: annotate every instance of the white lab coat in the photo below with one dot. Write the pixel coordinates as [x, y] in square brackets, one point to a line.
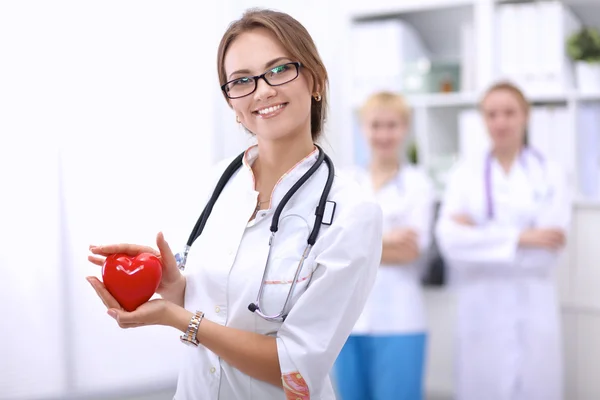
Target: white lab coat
[509, 341]
[225, 268]
[396, 303]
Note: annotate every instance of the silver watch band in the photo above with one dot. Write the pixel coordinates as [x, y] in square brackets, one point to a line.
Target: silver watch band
[189, 337]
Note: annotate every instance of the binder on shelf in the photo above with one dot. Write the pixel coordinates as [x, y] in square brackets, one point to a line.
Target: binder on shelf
[550, 133]
[588, 160]
[468, 58]
[380, 53]
[531, 38]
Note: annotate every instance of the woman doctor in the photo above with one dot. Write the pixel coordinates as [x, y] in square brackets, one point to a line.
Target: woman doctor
[384, 356]
[502, 225]
[275, 82]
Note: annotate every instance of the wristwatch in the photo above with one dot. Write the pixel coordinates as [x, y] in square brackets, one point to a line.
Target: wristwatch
[189, 337]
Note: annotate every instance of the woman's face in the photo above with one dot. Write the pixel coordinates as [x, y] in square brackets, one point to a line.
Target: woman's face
[505, 118]
[385, 130]
[271, 112]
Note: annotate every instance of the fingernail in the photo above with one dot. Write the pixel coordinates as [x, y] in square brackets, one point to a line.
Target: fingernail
[112, 313]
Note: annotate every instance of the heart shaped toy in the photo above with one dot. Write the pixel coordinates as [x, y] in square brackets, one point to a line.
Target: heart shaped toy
[132, 280]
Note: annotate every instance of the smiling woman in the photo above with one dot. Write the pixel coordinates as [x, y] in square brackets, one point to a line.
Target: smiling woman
[284, 264]
[293, 55]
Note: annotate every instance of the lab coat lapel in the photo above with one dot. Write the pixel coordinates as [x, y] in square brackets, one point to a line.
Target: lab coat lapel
[288, 180]
[225, 227]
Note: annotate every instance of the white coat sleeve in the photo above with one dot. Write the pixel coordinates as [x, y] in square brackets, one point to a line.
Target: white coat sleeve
[422, 211]
[347, 258]
[555, 214]
[489, 243]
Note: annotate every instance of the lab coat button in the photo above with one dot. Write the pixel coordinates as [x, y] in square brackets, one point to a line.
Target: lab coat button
[212, 370]
[217, 309]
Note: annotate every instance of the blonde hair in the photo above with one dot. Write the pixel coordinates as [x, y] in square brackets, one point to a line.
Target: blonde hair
[385, 99]
[511, 88]
[296, 40]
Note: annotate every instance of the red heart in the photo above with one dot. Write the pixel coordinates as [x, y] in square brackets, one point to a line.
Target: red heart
[132, 280]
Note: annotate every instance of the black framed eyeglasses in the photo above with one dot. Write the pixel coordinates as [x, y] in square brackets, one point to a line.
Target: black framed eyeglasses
[276, 76]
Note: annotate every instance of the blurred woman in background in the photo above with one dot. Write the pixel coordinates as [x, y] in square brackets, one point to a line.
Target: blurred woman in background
[384, 356]
[502, 224]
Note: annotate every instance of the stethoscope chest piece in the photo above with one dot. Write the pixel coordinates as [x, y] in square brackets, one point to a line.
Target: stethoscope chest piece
[181, 258]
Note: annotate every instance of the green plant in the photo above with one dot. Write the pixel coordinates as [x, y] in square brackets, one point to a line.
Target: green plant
[413, 153]
[584, 45]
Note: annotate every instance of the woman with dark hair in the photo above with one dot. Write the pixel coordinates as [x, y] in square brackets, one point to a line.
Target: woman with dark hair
[265, 313]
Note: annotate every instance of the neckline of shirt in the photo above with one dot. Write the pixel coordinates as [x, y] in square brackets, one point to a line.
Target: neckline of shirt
[285, 182]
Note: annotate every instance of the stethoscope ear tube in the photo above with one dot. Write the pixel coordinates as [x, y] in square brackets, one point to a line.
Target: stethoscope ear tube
[201, 222]
[294, 189]
[227, 174]
[320, 212]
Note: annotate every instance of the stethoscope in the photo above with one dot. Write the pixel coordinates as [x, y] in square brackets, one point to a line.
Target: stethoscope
[319, 213]
[488, 177]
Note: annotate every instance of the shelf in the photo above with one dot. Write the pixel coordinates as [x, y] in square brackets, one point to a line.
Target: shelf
[462, 100]
[436, 100]
[583, 202]
[472, 99]
[578, 203]
[546, 98]
[588, 97]
[585, 10]
[382, 9]
[572, 307]
[455, 99]
[562, 98]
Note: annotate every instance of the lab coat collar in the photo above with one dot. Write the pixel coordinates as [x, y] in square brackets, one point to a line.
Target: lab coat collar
[526, 155]
[286, 181]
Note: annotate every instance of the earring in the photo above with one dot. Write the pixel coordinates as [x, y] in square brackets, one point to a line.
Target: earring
[317, 96]
[237, 119]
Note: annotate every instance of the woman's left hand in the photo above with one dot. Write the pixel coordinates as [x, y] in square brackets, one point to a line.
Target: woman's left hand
[153, 312]
[463, 219]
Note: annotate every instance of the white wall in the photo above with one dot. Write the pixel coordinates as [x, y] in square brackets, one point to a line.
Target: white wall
[121, 92]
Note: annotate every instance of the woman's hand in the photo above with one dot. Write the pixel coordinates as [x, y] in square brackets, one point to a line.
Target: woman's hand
[153, 312]
[402, 237]
[463, 219]
[400, 246]
[172, 284]
[552, 239]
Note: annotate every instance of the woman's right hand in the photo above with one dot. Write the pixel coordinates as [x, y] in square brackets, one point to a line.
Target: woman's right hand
[172, 279]
[552, 239]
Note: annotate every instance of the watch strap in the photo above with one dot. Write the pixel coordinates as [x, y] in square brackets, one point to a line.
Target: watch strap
[189, 337]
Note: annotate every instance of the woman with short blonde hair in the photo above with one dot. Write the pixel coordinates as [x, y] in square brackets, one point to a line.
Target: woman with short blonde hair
[384, 358]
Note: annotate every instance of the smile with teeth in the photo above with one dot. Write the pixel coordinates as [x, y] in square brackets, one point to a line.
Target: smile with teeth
[270, 110]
